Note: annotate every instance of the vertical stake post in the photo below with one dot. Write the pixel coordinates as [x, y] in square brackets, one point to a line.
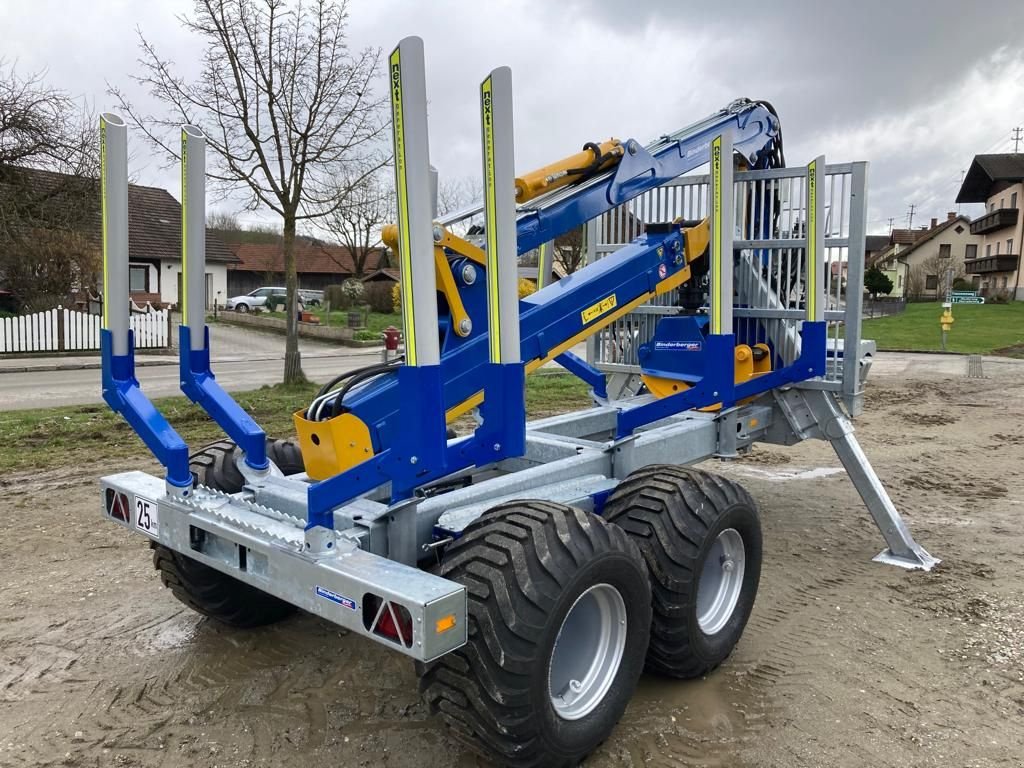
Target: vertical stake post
[114, 227]
[816, 241]
[500, 216]
[193, 234]
[721, 234]
[415, 208]
[503, 432]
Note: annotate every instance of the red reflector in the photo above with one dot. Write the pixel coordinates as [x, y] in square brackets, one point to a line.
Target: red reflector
[117, 506]
[390, 629]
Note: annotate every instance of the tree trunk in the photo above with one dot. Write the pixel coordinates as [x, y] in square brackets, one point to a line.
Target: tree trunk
[292, 361]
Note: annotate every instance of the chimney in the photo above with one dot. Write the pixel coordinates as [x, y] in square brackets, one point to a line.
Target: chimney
[950, 215]
[935, 223]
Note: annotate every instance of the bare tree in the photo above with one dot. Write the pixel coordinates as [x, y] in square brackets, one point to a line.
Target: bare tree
[49, 191]
[570, 250]
[287, 108]
[455, 194]
[365, 206]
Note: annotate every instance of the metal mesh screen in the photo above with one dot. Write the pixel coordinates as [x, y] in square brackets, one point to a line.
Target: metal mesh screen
[770, 276]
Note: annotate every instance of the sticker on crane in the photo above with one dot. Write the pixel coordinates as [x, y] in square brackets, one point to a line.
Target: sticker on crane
[677, 346]
[594, 311]
[334, 597]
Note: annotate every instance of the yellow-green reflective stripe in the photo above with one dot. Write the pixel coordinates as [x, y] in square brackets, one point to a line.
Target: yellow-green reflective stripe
[541, 269]
[404, 245]
[103, 220]
[184, 228]
[716, 234]
[812, 245]
[494, 333]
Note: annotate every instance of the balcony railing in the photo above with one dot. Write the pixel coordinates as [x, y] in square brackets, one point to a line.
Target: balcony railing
[1004, 262]
[990, 222]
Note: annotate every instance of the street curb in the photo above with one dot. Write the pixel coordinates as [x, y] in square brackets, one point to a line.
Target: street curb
[50, 367]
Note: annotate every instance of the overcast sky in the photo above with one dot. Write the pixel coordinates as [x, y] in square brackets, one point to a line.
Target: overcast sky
[915, 87]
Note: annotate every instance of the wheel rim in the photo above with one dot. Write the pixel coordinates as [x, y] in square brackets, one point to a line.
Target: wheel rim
[721, 581]
[587, 652]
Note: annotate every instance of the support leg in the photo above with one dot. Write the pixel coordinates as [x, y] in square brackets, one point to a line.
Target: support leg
[816, 414]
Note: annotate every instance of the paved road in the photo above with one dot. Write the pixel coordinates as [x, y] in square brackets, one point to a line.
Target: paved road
[243, 360]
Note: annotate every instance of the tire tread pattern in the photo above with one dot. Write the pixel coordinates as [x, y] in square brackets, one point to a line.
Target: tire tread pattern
[513, 561]
[667, 509]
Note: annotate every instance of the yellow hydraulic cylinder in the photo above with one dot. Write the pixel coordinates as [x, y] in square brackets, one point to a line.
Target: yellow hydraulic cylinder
[561, 174]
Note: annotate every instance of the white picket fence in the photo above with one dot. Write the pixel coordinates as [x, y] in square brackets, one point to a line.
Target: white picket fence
[68, 330]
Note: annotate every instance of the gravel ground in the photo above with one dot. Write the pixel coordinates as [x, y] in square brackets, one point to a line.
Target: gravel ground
[844, 663]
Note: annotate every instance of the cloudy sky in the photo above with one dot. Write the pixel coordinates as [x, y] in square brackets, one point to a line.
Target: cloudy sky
[916, 87]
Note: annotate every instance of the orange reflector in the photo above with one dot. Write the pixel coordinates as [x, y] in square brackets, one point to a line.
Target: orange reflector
[444, 624]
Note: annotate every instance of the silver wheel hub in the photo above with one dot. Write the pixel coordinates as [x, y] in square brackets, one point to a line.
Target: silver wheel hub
[587, 652]
[721, 581]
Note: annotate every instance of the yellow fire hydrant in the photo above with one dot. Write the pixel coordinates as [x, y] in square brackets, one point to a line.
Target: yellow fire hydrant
[947, 317]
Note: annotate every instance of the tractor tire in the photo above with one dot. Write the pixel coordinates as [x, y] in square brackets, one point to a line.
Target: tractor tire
[559, 618]
[204, 589]
[700, 535]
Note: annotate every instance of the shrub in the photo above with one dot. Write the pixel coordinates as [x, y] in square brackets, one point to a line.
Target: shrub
[353, 291]
[366, 335]
[380, 297]
[526, 287]
[334, 296]
[961, 284]
[396, 298]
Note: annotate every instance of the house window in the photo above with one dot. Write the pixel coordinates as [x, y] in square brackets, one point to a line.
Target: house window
[138, 278]
[899, 281]
[1004, 283]
[1013, 200]
[1001, 201]
[988, 249]
[944, 250]
[997, 247]
[1009, 245]
[931, 282]
[971, 252]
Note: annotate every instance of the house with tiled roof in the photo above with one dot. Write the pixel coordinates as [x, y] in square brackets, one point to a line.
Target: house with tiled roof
[154, 235]
[318, 265]
[918, 260]
[998, 182]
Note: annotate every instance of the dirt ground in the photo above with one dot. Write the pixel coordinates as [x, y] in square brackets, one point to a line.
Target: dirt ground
[845, 662]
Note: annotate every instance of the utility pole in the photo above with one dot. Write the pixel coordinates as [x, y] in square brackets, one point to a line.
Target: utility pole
[1017, 138]
[891, 220]
[963, 175]
[910, 216]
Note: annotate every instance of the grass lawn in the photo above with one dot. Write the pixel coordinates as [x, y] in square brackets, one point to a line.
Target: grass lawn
[75, 435]
[978, 328]
[375, 321]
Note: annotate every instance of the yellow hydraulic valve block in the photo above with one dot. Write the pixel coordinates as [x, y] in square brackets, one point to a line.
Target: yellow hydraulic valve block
[594, 157]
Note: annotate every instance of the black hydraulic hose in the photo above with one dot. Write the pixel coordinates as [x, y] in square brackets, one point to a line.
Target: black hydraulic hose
[348, 374]
[595, 164]
[370, 372]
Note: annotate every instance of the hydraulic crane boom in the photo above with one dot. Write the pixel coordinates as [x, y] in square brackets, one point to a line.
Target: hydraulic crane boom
[364, 409]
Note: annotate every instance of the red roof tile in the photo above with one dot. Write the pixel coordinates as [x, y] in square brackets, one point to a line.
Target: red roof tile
[315, 258]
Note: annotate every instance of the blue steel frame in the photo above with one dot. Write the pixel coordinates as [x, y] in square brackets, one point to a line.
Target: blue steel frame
[122, 393]
[201, 387]
[420, 452]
